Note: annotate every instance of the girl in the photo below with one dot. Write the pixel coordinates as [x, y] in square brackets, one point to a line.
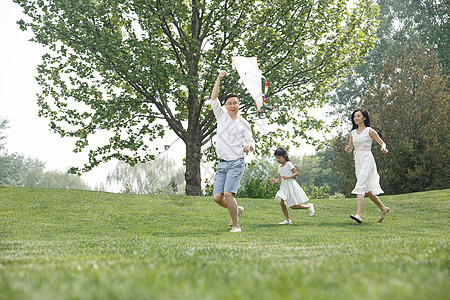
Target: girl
[290, 193]
[368, 181]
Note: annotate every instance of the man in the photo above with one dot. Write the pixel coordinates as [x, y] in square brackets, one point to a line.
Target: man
[234, 140]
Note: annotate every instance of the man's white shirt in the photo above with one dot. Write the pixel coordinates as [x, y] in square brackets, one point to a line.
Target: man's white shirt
[232, 135]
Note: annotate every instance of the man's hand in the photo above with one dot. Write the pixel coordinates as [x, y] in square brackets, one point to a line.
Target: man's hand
[221, 74]
[247, 149]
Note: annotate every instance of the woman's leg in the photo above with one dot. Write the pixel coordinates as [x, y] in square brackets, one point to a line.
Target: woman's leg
[359, 205]
[375, 200]
[384, 209]
[357, 217]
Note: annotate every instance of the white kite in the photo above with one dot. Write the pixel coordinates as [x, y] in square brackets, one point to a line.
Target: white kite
[251, 75]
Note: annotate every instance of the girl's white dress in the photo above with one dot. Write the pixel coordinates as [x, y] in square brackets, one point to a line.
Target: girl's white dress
[365, 167]
[290, 191]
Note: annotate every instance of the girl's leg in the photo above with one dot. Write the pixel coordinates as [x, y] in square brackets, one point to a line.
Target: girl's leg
[309, 207]
[284, 210]
[300, 206]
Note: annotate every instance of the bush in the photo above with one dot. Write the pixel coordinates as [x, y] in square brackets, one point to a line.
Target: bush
[315, 192]
[255, 187]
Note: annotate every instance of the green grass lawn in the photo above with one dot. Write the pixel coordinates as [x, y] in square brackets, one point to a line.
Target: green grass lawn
[69, 244]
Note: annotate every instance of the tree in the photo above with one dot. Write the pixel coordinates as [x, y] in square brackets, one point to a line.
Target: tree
[38, 178]
[315, 170]
[3, 126]
[401, 21]
[429, 23]
[18, 170]
[409, 101]
[343, 164]
[135, 69]
[13, 166]
[160, 176]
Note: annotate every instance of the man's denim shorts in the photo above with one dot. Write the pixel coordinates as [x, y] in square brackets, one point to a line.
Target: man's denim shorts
[228, 176]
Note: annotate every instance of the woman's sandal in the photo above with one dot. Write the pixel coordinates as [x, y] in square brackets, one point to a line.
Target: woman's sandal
[357, 219]
[383, 214]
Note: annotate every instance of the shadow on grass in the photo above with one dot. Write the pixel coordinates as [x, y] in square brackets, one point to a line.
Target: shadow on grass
[346, 224]
[189, 234]
[275, 225]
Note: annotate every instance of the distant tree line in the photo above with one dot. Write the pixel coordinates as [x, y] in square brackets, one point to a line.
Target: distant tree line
[160, 176]
[18, 170]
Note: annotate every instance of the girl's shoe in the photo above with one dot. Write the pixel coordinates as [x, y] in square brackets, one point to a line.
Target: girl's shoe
[285, 222]
[235, 229]
[383, 214]
[311, 210]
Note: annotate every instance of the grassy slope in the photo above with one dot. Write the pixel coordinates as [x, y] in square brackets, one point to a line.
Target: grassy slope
[72, 244]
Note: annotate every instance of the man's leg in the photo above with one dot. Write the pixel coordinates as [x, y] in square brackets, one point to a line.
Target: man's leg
[233, 178]
[219, 198]
[219, 183]
[232, 208]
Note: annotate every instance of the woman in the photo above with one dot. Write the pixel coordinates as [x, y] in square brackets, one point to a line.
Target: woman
[368, 180]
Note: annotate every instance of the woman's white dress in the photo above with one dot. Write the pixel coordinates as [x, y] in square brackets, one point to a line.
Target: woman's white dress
[367, 178]
[290, 191]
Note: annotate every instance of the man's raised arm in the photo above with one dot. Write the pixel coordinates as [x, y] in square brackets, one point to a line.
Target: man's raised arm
[215, 91]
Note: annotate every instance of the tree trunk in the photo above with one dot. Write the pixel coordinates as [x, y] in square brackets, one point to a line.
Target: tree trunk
[192, 175]
[194, 136]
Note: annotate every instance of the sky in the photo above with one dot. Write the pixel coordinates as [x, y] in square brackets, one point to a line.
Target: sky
[29, 134]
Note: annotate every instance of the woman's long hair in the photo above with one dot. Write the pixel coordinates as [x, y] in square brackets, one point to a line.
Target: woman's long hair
[366, 121]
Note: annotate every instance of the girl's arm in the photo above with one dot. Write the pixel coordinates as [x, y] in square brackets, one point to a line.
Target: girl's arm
[349, 146]
[373, 134]
[275, 180]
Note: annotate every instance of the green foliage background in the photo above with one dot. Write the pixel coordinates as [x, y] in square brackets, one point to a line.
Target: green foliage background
[403, 83]
[409, 101]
